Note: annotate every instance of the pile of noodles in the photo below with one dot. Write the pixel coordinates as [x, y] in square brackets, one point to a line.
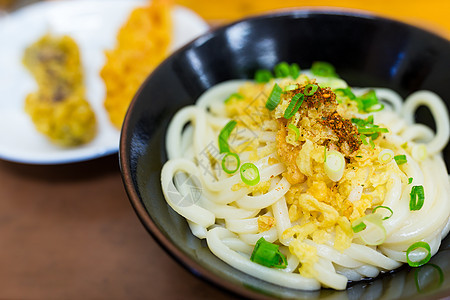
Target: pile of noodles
[310, 218]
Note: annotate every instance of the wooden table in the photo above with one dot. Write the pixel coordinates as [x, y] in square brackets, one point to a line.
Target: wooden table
[69, 232]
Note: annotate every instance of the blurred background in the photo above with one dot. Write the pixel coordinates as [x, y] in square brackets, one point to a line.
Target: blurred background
[432, 14]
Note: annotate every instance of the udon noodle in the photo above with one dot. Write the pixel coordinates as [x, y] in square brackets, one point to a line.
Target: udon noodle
[344, 186]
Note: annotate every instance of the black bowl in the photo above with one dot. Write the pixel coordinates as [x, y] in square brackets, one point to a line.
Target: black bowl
[366, 50]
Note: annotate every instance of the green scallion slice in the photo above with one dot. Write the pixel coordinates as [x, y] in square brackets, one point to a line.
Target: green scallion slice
[400, 159]
[295, 130]
[375, 135]
[347, 92]
[231, 162]
[234, 96]
[383, 207]
[385, 156]
[375, 108]
[224, 135]
[417, 197]
[415, 246]
[368, 102]
[367, 127]
[358, 228]
[369, 99]
[310, 89]
[419, 152]
[334, 165]
[290, 87]
[249, 174]
[371, 130]
[364, 139]
[282, 70]
[263, 76]
[324, 69]
[373, 232]
[294, 70]
[268, 255]
[294, 105]
[274, 97]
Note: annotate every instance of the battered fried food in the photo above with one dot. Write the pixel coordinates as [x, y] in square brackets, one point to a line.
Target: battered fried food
[58, 108]
[142, 43]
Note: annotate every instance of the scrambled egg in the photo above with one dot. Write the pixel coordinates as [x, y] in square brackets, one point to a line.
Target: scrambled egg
[320, 209]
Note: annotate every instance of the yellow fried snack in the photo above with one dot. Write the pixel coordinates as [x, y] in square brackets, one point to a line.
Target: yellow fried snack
[142, 43]
[58, 108]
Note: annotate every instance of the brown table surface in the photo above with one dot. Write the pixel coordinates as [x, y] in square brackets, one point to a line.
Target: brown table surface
[69, 232]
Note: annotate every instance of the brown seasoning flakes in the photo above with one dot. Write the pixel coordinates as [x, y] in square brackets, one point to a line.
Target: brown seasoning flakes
[344, 130]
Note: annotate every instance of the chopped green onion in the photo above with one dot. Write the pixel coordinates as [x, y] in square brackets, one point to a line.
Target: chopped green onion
[374, 232]
[410, 180]
[268, 255]
[334, 165]
[224, 135]
[372, 130]
[419, 152]
[234, 96]
[417, 197]
[364, 122]
[400, 159]
[231, 162]
[375, 107]
[368, 102]
[347, 92]
[294, 106]
[383, 207]
[249, 174]
[386, 156]
[310, 89]
[281, 70]
[295, 130]
[290, 87]
[374, 136]
[360, 227]
[404, 145]
[363, 139]
[366, 128]
[359, 122]
[274, 97]
[263, 76]
[410, 253]
[324, 69]
[294, 70]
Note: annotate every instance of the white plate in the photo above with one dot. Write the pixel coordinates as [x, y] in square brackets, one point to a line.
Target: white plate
[93, 24]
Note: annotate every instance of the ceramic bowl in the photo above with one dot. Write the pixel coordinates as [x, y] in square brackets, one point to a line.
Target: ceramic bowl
[366, 50]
